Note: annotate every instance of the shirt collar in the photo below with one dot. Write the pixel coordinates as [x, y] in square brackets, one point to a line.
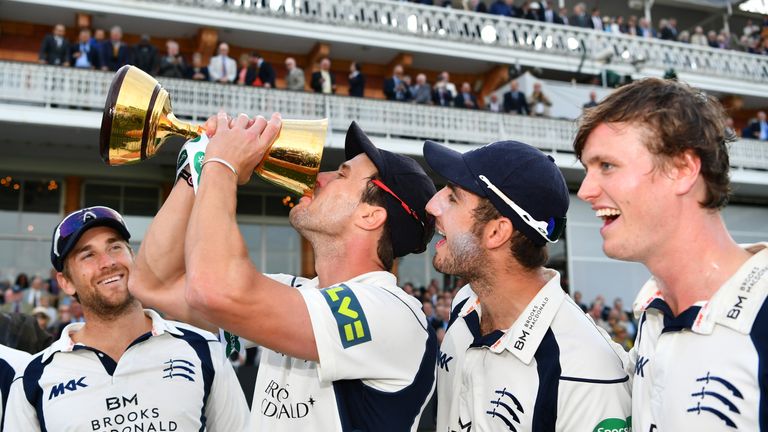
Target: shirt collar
[526, 333]
[379, 278]
[734, 305]
[66, 344]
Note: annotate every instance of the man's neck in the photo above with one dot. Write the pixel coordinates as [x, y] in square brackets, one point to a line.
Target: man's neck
[337, 261]
[113, 336]
[504, 295]
[684, 279]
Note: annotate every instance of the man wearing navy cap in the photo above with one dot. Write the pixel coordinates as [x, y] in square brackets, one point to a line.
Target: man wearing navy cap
[347, 350]
[519, 354]
[125, 368]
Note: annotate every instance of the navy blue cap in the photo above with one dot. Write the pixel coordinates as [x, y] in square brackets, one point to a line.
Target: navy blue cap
[519, 171]
[74, 225]
[409, 232]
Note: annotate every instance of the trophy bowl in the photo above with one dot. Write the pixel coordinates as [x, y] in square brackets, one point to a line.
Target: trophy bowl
[138, 120]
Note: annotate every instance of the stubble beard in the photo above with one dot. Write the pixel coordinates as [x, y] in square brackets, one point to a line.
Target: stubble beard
[466, 258]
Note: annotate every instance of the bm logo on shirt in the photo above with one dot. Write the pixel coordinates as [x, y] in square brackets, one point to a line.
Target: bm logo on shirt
[69, 386]
[349, 315]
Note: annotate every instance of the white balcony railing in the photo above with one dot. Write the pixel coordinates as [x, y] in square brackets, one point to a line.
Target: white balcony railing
[406, 18]
[24, 83]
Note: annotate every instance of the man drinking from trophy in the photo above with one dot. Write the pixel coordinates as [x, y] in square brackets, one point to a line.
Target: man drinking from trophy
[347, 350]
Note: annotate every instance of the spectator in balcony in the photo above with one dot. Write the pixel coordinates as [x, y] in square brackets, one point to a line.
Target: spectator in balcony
[595, 20]
[645, 30]
[493, 104]
[563, 12]
[476, 6]
[55, 48]
[592, 100]
[172, 64]
[244, 66]
[724, 39]
[540, 101]
[198, 71]
[14, 301]
[684, 37]
[515, 101]
[698, 37]
[441, 96]
[632, 28]
[222, 68]
[504, 8]
[97, 42]
[465, 98]
[323, 80]
[669, 32]
[294, 79]
[356, 80]
[547, 14]
[580, 17]
[529, 11]
[145, 56]
[395, 87]
[84, 56]
[115, 53]
[712, 39]
[444, 80]
[264, 70]
[757, 128]
[421, 91]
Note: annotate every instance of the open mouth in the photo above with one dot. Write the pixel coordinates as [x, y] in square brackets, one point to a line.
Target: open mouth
[608, 215]
[110, 280]
[442, 240]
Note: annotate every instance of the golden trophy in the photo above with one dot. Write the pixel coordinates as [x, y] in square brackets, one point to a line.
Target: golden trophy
[138, 120]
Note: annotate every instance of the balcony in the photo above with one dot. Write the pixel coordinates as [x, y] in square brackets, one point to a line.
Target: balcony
[433, 32]
[49, 96]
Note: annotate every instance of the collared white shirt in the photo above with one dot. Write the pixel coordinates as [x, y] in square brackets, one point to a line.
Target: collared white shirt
[707, 368]
[173, 378]
[551, 370]
[11, 363]
[377, 362]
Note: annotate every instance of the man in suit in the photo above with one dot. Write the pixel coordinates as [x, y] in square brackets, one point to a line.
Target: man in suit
[84, 56]
[115, 53]
[395, 87]
[758, 128]
[592, 100]
[294, 80]
[323, 80]
[515, 101]
[421, 91]
[356, 80]
[580, 17]
[465, 99]
[55, 48]
[222, 67]
[266, 72]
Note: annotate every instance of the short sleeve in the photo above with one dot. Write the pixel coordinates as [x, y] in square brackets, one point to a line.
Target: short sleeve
[367, 332]
[227, 409]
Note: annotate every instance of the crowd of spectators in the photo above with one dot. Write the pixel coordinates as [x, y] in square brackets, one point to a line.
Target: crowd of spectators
[754, 38]
[41, 298]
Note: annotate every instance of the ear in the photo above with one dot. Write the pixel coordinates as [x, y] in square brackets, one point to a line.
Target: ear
[497, 233]
[65, 284]
[684, 171]
[370, 217]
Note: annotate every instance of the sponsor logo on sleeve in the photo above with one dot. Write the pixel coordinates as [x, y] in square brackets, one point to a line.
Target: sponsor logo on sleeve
[349, 315]
[614, 425]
